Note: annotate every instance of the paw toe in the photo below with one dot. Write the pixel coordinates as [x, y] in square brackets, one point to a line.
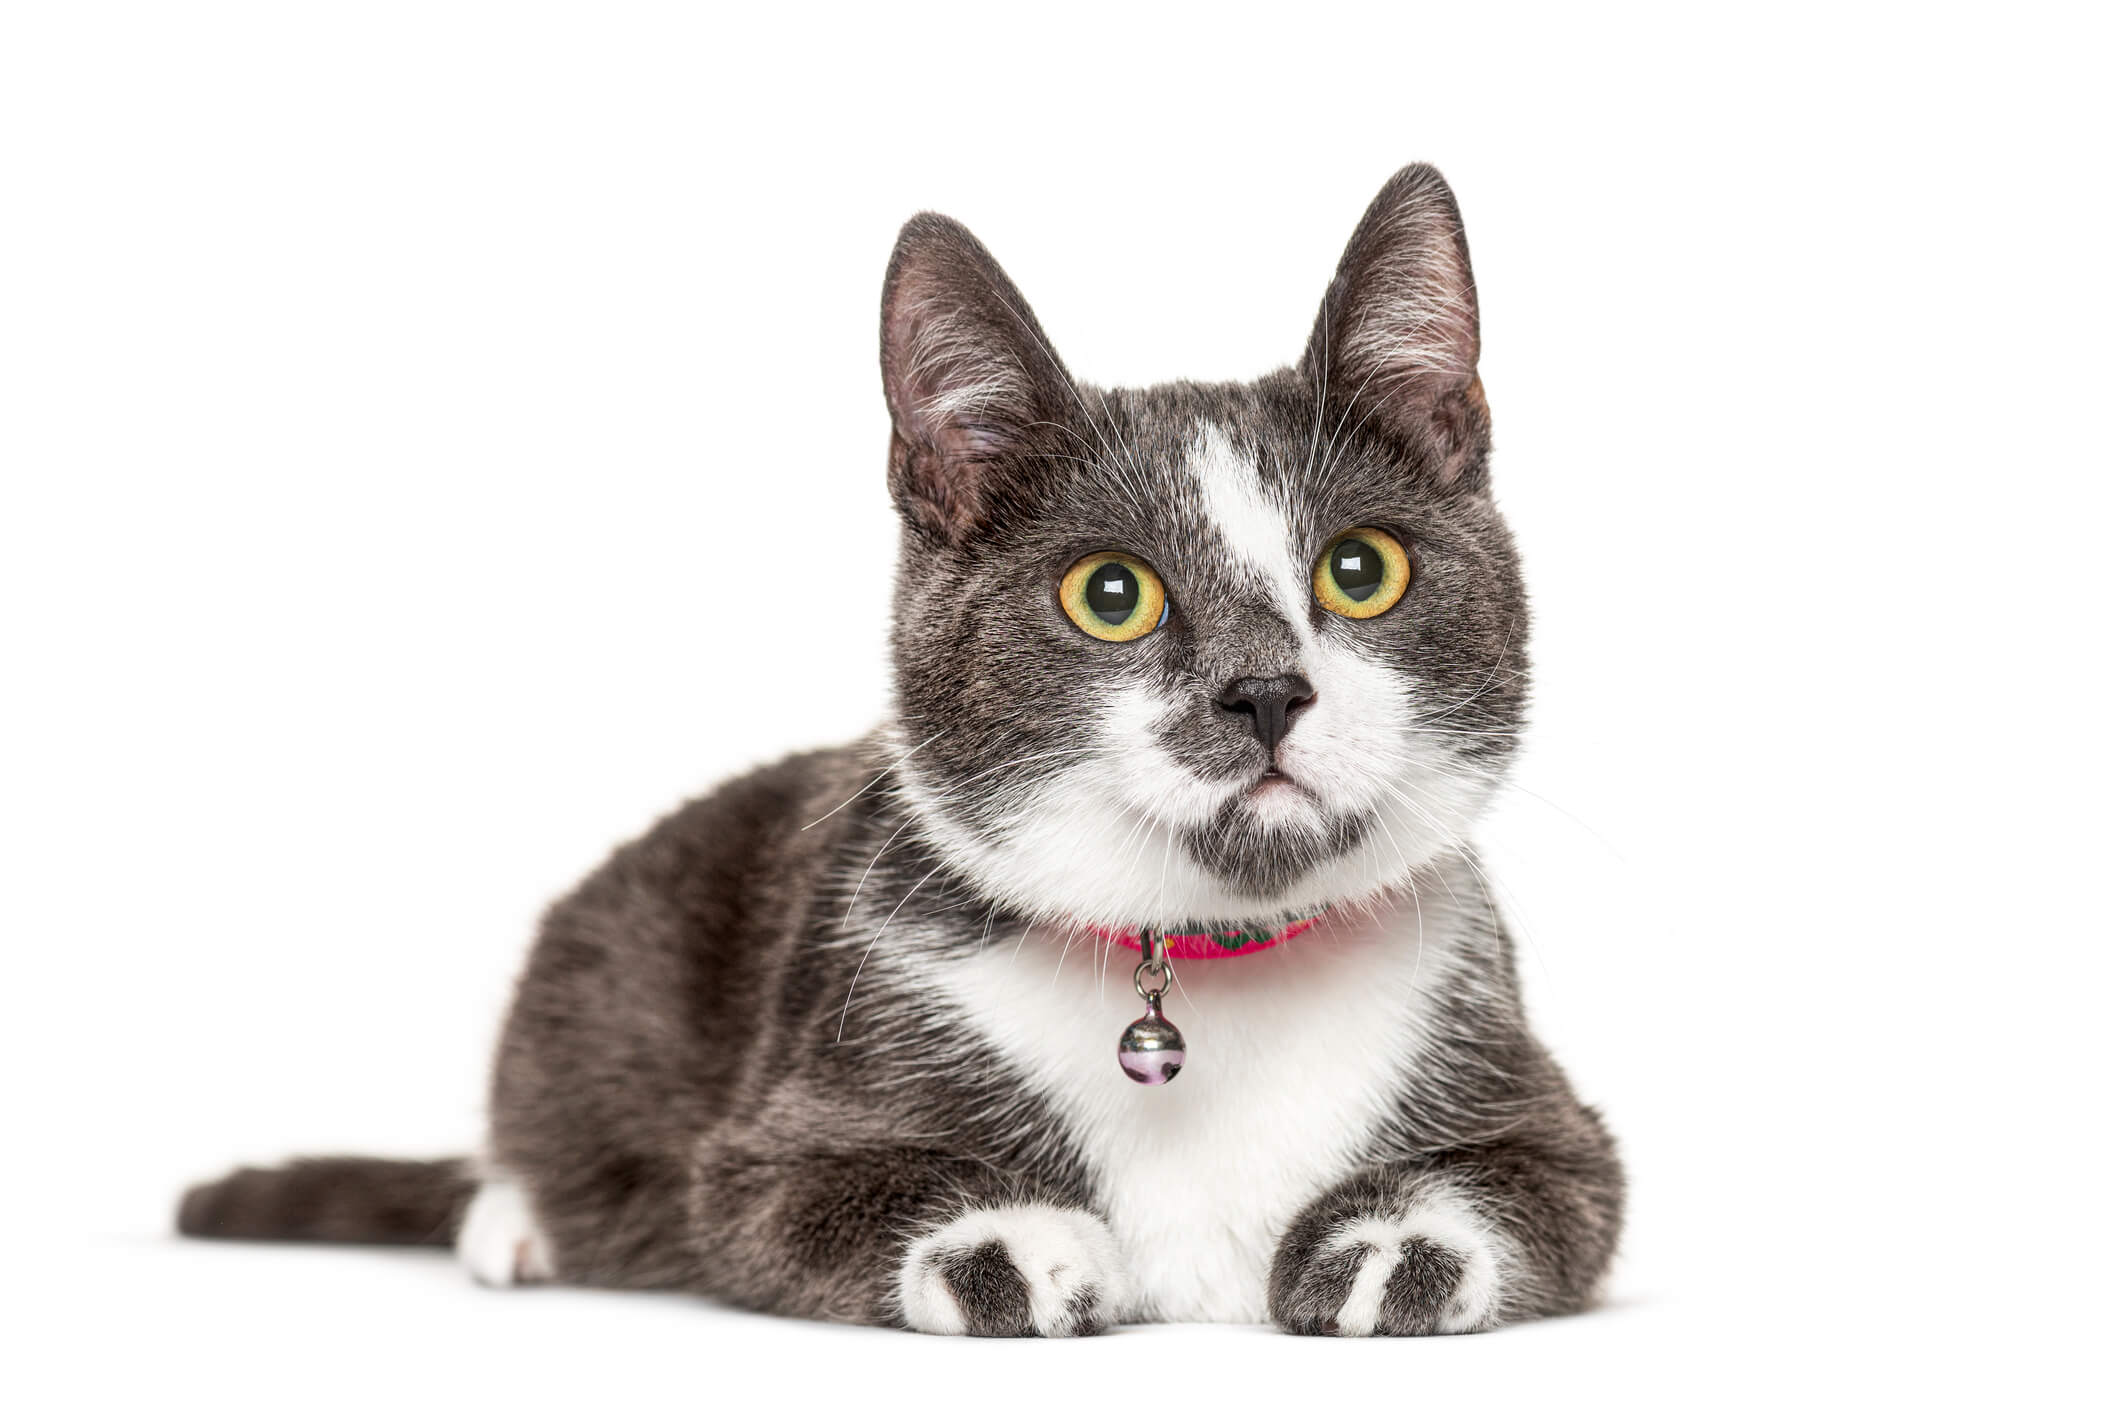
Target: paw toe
[1419, 1293]
[1312, 1303]
[991, 1295]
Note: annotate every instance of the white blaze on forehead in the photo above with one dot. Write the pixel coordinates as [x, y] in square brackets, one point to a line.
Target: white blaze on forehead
[1254, 525]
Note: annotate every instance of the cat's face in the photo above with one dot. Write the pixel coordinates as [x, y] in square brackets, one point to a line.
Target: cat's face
[1142, 675]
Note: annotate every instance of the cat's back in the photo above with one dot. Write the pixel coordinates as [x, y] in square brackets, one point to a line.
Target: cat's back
[651, 984]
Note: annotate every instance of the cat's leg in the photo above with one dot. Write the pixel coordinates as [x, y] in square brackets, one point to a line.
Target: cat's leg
[1467, 1240]
[902, 1236]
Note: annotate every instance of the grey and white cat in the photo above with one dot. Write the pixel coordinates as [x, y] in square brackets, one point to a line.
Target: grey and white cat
[837, 1039]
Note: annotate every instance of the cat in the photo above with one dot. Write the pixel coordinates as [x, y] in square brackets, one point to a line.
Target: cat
[1239, 662]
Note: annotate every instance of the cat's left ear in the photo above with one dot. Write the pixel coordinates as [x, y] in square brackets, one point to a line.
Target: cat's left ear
[971, 382]
[1399, 332]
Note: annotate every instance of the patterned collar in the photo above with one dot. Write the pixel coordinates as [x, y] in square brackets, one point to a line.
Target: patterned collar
[1198, 943]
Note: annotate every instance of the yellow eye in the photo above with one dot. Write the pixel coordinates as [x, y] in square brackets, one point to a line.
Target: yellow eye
[1363, 571]
[1113, 597]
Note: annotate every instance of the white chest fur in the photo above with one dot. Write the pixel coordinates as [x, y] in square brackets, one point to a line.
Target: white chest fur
[1294, 1056]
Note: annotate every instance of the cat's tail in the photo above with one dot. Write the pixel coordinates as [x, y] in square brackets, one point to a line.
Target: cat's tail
[381, 1201]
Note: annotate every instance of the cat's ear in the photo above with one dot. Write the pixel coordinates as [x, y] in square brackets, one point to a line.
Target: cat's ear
[1399, 331]
[971, 381]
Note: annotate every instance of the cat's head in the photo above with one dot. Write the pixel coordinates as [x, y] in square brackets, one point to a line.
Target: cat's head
[1200, 653]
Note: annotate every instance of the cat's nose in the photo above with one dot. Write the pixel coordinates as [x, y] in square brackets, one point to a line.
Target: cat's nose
[1268, 705]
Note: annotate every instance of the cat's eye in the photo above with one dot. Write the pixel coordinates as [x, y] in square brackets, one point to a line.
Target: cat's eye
[1363, 571]
[1113, 597]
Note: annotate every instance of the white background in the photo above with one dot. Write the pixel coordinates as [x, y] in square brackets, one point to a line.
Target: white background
[403, 414]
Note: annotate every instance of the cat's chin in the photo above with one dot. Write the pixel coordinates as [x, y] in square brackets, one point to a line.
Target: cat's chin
[1257, 848]
[1267, 839]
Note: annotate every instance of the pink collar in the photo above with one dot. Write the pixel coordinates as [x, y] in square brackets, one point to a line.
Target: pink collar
[1212, 945]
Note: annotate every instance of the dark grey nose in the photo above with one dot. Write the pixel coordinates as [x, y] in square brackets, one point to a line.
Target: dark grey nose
[1271, 704]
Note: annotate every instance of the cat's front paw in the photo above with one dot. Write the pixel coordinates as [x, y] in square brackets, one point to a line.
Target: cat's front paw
[1435, 1267]
[1022, 1270]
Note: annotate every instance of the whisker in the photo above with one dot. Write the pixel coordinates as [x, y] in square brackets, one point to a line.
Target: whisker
[892, 766]
[853, 991]
[903, 828]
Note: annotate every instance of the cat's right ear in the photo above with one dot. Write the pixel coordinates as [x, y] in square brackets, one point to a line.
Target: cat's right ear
[969, 376]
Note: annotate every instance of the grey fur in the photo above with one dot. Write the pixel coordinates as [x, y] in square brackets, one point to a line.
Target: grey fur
[705, 1083]
[991, 1292]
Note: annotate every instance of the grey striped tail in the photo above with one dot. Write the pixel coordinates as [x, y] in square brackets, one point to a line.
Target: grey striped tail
[379, 1201]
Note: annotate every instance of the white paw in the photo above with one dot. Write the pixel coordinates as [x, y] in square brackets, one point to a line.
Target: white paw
[1455, 1276]
[499, 1243]
[1026, 1270]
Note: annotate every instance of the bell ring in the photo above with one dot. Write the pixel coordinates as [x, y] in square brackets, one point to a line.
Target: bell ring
[1151, 1050]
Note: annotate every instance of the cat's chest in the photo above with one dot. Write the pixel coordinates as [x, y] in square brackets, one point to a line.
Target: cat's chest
[1294, 1056]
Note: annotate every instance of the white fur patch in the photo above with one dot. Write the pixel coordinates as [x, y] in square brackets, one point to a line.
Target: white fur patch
[1060, 1251]
[1441, 1218]
[1294, 1059]
[1253, 525]
[500, 1243]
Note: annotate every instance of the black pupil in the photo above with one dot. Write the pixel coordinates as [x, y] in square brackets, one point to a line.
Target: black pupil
[1357, 569]
[1112, 592]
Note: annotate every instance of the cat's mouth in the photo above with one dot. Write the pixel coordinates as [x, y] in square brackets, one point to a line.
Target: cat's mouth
[1273, 784]
[1277, 799]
